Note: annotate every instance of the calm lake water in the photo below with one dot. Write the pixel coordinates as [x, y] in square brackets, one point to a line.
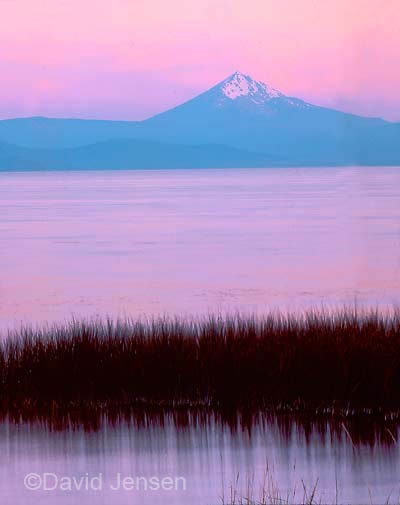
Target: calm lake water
[191, 242]
[207, 455]
[194, 241]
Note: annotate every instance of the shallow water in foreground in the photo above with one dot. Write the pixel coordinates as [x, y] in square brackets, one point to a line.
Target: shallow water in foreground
[207, 454]
[193, 241]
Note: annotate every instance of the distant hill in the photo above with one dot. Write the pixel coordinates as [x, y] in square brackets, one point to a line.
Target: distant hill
[126, 154]
[238, 122]
[42, 132]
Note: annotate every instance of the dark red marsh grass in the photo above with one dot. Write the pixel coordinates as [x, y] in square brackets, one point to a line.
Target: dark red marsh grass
[322, 359]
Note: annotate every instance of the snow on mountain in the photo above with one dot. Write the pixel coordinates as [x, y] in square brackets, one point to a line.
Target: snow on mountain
[239, 84]
[243, 88]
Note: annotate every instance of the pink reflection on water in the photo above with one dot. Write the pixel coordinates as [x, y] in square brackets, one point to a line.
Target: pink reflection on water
[190, 242]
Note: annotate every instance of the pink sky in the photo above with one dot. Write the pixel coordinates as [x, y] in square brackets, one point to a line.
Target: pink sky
[128, 59]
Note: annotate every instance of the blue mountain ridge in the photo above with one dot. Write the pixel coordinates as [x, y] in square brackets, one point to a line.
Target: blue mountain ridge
[239, 122]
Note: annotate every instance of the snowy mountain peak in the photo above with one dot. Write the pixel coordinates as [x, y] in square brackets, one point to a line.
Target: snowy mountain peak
[239, 84]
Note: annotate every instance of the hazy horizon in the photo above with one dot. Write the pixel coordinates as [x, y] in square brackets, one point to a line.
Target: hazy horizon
[163, 110]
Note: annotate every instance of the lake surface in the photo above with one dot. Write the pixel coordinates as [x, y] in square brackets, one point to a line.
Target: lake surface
[206, 454]
[191, 242]
[194, 241]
